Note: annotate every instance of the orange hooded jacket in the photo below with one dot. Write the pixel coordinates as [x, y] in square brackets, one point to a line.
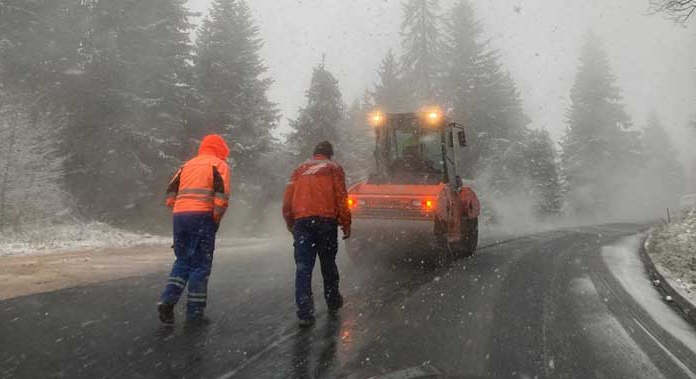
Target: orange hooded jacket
[317, 189]
[203, 183]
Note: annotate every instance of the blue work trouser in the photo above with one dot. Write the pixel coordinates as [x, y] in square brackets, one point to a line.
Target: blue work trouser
[194, 243]
[315, 236]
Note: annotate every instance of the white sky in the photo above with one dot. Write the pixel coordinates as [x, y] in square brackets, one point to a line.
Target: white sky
[653, 59]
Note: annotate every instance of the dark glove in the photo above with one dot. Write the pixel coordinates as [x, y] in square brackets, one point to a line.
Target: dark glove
[346, 232]
[217, 226]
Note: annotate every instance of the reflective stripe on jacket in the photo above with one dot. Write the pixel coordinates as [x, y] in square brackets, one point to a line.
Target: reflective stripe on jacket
[317, 189]
[202, 184]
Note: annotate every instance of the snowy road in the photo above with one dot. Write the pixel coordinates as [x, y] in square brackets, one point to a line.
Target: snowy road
[551, 305]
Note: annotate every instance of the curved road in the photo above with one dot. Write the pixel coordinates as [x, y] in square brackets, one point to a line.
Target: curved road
[542, 306]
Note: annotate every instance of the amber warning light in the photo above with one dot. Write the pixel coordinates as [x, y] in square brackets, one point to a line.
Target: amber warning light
[353, 203]
[427, 204]
[432, 115]
[377, 118]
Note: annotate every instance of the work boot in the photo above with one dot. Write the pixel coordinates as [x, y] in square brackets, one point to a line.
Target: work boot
[166, 313]
[335, 305]
[306, 322]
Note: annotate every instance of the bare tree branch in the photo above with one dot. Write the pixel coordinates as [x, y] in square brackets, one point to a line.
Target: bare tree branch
[678, 10]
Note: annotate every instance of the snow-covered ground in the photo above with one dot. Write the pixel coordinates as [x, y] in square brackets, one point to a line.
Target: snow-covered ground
[64, 257]
[673, 250]
[624, 261]
[60, 238]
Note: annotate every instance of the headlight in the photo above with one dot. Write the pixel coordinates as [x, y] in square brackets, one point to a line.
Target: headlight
[432, 115]
[377, 118]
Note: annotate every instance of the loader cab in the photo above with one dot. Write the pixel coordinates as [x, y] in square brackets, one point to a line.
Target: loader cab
[414, 148]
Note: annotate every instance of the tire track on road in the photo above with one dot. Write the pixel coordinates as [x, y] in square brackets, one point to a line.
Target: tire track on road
[645, 331]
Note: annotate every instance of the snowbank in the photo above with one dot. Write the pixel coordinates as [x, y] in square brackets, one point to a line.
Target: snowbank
[624, 261]
[94, 235]
[673, 250]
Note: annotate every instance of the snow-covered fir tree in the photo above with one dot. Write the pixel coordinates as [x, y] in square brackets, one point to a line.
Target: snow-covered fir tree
[663, 175]
[541, 158]
[422, 50]
[600, 152]
[31, 164]
[482, 96]
[233, 82]
[322, 117]
[391, 93]
[39, 46]
[357, 140]
[128, 129]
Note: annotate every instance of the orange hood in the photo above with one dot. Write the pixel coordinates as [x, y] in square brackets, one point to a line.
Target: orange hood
[213, 144]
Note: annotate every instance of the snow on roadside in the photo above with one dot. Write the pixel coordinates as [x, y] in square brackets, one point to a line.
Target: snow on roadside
[624, 262]
[673, 250]
[93, 235]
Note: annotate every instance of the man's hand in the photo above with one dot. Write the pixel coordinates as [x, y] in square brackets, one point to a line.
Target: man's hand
[291, 229]
[346, 232]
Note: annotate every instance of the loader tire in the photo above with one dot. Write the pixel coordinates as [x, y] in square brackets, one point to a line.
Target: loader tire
[466, 247]
[444, 257]
[469, 241]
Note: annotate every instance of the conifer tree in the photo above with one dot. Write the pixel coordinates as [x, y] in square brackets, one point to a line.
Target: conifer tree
[358, 140]
[422, 50]
[322, 117]
[125, 137]
[599, 150]
[39, 46]
[232, 81]
[391, 94]
[541, 158]
[482, 96]
[663, 175]
[31, 165]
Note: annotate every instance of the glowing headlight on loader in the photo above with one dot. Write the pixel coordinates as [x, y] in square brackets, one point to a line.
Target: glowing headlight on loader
[432, 115]
[377, 118]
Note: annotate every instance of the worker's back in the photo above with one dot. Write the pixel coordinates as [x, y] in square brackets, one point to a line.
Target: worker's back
[314, 205]
[314, 189]
[201, 178]
[203, 183]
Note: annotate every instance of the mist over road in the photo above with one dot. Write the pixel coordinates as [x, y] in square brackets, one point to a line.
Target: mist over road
[544, 305]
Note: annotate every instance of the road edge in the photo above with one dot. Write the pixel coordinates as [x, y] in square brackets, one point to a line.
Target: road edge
[669, 295]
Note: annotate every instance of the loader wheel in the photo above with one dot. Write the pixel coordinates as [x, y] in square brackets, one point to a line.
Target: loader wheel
[470, 237]
[467, 246]
[444, 257]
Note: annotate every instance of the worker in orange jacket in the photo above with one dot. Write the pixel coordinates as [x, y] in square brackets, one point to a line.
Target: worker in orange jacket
[315, 203]
[199, 195]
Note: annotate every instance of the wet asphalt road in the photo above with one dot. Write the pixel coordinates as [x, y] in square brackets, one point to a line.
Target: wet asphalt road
[541, 306]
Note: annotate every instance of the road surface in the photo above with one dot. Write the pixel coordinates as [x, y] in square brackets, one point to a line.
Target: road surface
[541, 306]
